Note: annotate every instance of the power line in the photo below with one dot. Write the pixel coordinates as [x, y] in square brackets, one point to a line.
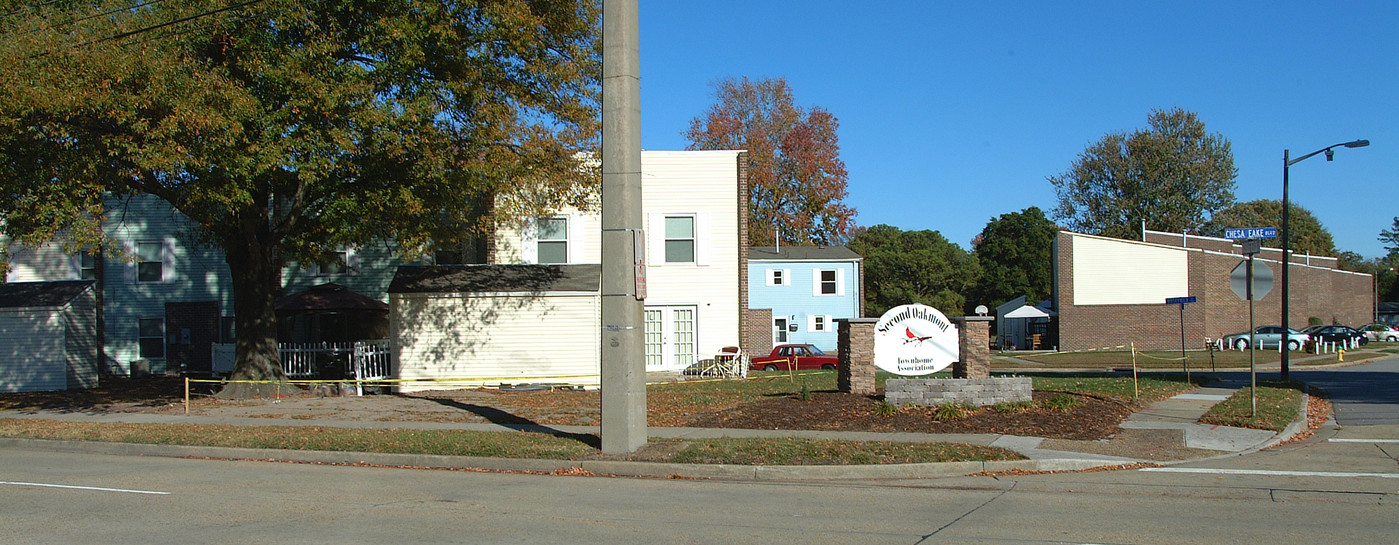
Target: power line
[131, 33]
[137, 32]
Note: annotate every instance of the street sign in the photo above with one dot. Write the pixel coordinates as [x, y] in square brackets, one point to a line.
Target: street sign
[1251, 232]
[1180, 300]
[1262, 279]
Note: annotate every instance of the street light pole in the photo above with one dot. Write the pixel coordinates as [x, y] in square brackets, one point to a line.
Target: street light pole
[1286, 257]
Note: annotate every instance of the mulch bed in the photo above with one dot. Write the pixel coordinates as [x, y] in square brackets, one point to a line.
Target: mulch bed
[1094, 419]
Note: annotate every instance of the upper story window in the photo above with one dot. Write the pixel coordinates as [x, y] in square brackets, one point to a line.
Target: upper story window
[679, 239]
[87, 266]
[828, 282]
[552, 239]
[779, 277]
[469, 251]
[150, 262]
[335, 265]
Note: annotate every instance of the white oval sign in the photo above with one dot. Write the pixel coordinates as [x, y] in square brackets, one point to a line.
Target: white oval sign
[914, 340]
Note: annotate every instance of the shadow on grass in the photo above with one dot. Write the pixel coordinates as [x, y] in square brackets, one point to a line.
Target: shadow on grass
[518, 423]
[141, 392]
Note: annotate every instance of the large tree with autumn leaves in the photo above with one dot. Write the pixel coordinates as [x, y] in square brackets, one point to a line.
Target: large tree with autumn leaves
[796, 180]
[284, 129]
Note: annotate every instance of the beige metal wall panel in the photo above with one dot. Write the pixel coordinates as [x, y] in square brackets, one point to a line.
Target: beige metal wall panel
[1111, 272]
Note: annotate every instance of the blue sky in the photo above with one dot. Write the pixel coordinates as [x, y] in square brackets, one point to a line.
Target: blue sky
[953, 113]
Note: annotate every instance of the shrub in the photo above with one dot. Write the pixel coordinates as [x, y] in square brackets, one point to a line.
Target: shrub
[885, 408]
[948, 412]
[805, 393]
[1062, 402]
[1012, 407]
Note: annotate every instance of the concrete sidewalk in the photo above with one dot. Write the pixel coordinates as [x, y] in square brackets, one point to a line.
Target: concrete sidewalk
[1181, 412]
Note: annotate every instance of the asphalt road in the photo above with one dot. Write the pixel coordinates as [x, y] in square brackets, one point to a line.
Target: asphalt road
[1365, 395]
[151, 500]
[1340, 486]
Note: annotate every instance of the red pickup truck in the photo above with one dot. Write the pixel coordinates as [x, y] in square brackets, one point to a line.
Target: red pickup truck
[794, 356]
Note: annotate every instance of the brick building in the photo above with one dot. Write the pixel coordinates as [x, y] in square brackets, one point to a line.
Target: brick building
[1110, 292]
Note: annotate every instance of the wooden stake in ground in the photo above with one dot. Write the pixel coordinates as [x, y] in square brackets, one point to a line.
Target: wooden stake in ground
[1136, 395]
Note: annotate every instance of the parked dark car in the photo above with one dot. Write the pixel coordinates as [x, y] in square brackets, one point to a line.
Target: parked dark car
[794, 356]
[1339, 334]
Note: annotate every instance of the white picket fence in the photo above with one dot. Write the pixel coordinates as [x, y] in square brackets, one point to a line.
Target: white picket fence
[363, 360]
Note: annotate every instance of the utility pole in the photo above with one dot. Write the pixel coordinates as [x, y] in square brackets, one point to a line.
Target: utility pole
[623, 266]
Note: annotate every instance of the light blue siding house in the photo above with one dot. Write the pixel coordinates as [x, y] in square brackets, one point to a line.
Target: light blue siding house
[163, 306]
[807, 288]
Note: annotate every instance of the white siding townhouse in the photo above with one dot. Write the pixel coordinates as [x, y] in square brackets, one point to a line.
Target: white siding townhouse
[532, 315]
[164, 309]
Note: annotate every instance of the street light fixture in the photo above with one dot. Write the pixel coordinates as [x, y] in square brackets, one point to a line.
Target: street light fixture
[1286, 258]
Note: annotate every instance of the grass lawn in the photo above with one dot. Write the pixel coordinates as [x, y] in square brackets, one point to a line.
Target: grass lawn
[1278, 404]
[1196, 360]
[665, 400]
[752, 451]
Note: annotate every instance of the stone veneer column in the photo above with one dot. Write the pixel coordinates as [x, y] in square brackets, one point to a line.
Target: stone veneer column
[856, 353]
[974, 343]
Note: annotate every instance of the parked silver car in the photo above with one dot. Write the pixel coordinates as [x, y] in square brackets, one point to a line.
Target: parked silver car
[1268, 336]
[1381, 332]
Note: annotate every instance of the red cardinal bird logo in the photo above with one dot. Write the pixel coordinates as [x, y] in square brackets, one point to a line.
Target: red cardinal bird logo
[911, 338]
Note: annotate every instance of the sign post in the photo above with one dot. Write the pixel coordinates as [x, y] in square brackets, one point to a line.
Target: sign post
[1251, 280]
[1182, 301]
[1263, 276]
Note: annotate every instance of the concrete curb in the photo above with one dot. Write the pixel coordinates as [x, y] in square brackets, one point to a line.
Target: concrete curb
[1296, 427]
[602, 467]
[1292, 430]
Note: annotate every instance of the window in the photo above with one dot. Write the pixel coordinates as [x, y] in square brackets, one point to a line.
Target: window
[150, 262]
[819, 322]
[335, 265]
[552, 238]
[828, 282]
[680, 239]
[779, 277]
[469, 251]
[87, 266]
[151, 338]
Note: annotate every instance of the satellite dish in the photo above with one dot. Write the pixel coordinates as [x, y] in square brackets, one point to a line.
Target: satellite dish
[981, 310]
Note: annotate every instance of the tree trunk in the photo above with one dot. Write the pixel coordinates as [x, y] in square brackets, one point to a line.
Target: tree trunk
[257, 278]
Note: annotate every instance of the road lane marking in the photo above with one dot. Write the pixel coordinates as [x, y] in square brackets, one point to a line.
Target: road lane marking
[97, 488]
[1204, 470]
[1334, 440]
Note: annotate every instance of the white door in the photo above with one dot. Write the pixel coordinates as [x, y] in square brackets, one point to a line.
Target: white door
[779, 330]
[670, 337]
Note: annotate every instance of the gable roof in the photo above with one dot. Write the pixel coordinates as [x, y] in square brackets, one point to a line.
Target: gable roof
[802, 253]
[41, 294]
[496, 278]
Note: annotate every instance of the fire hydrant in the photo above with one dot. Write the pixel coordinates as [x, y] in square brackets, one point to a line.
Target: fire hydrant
[1341, 355]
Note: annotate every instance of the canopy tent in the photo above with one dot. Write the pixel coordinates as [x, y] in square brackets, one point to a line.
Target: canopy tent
[1027, 311]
